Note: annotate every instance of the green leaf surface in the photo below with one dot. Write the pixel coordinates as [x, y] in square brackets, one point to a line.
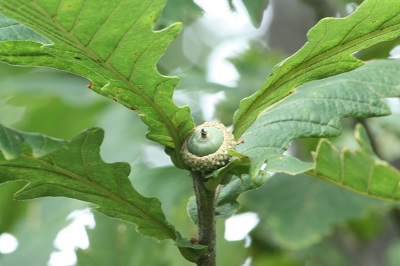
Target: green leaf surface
[298, 211]
[289, 165]
[255, 9]
[359, 170]
[77, 171]
[114, 46]
[315, 109]
[328, 52]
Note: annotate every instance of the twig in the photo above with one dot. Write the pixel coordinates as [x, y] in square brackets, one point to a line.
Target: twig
[205, 201]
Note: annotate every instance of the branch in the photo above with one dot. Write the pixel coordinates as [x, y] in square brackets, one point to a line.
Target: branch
[205, 201]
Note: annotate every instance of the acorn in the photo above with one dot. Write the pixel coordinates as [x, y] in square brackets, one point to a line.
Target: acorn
[206, 148]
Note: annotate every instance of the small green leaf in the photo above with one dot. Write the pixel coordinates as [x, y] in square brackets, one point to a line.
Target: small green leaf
[227, 204]
[327, 53]
[360, 170]
[11, 139]
[315, 109]
[114, 46]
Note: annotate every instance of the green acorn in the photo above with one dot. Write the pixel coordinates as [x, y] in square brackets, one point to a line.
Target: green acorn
[206, 148]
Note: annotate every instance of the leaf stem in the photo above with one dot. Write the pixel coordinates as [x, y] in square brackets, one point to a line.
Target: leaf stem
[205, 200]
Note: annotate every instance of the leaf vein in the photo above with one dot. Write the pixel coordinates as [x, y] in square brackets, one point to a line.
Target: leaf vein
[355, 28]
[78, 16]
[102, 25]
[58, 8]
[109, 58]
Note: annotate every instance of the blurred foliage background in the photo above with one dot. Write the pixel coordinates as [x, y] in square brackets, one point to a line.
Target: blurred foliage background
[224, 53]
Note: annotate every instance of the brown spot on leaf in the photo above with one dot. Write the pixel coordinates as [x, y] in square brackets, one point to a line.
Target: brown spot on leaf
[194, 241]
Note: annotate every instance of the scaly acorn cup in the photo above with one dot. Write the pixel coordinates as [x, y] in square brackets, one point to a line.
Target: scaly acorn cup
[206, 148]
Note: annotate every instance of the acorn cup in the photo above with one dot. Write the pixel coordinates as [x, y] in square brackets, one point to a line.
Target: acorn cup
[206, 148]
